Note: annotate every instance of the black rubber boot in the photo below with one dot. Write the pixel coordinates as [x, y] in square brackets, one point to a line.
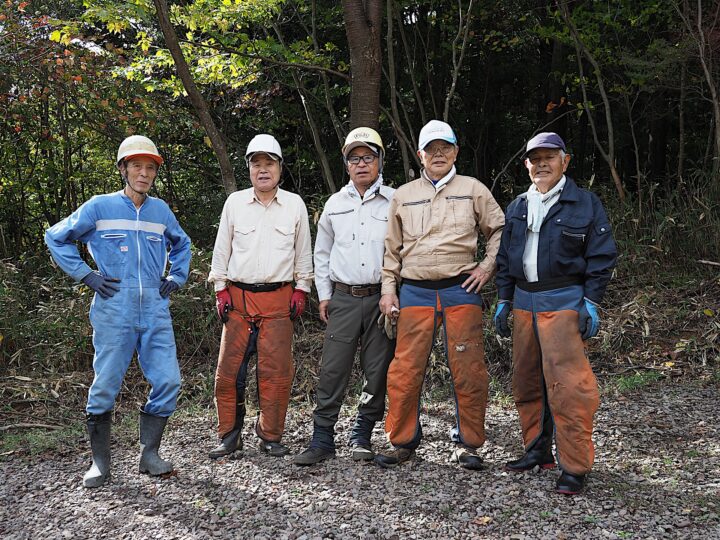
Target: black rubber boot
[570, 484]
[151, 430]
[540, 454]
[229, 444]
[98, 428]
[232, 441]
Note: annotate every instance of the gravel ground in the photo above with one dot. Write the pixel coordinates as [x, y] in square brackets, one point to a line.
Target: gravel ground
[657, 475]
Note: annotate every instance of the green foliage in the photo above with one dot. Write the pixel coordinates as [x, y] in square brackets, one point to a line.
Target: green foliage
[628, 383]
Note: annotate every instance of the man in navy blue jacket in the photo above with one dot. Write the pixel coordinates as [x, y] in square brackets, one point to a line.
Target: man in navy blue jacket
[555, 260]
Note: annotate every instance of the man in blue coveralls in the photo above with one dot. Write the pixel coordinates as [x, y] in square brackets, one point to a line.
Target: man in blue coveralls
[128, 234]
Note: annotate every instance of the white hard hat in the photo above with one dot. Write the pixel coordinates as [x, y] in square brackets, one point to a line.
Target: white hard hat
[363, 136]
[266, 144]
[136, 146]
[434, 130]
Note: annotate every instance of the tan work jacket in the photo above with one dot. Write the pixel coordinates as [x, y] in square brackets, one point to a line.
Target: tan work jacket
[433, 234]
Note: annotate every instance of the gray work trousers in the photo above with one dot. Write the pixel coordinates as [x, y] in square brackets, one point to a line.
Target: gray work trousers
[352, 320]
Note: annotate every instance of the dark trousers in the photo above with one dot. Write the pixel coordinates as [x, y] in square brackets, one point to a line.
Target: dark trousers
[352, 320]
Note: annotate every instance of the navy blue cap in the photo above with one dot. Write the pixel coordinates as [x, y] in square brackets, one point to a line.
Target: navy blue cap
[545, 140]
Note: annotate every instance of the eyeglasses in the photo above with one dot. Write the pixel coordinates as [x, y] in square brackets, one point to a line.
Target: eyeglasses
[367, 159]
[444, 149]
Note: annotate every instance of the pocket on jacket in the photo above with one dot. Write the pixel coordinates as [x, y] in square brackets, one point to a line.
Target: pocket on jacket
[114, 249]
[572, 242]
[243, 237]
[415, 217]
[284, 237]
[155, 247]
[342, 224]
[378, 224]
[460, 211]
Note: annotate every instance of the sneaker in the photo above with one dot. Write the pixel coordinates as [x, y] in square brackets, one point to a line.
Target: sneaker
[467, 458]
[274, 449]
[361, 452]
[313, 455]
[394, 457]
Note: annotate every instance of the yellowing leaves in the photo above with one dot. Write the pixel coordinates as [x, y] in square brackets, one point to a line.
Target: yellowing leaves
[709, 312]
[116, 27]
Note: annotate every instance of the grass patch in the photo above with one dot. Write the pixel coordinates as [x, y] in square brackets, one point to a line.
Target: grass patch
[35, 442]
[627, 383]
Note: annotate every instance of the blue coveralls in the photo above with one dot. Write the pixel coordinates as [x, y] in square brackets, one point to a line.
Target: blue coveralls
[130, 244]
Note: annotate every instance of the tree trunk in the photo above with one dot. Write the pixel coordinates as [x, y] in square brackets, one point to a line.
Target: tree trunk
[196, 98]
[556, 102]
[393, 91]
[582, 50]
[363, 24]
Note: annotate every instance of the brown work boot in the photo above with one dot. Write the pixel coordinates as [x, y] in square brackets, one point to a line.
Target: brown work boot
[394, 457]
[467, 458]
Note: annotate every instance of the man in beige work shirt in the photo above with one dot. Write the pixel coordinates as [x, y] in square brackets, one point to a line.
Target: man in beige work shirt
[430, 251]
[262, 245]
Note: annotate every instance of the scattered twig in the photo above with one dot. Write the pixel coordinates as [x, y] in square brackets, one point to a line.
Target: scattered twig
[711, 263]
[29, 426]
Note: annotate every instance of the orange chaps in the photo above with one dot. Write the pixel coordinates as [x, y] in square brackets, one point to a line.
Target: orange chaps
[258, 322]
[421, 312]
[550, 368]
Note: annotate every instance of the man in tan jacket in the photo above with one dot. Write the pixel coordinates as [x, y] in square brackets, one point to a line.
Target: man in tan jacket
[430, 255]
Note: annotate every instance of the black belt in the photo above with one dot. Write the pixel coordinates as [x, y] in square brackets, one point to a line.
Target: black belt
[436, 285]
[549, 284]
[357, 290]
[259, 287]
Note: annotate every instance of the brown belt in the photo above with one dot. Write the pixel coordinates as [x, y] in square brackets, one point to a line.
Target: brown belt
[357, 290]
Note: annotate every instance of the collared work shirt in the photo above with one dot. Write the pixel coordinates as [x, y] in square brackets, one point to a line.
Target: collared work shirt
[262, 244]
[351, 238]
[433, 234]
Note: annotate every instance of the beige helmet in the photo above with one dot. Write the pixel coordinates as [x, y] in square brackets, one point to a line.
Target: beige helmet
[264, 144]
[138, 145]
[363, 136]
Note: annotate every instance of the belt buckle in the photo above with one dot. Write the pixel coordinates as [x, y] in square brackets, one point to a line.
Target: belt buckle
[355, 293]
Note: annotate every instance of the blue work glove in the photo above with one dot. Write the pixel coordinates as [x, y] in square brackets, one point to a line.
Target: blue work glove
[103, 285]
[501, 318]
[168, 286]
[589, 320]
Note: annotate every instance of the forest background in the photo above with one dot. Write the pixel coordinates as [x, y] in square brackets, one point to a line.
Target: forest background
[632, 86]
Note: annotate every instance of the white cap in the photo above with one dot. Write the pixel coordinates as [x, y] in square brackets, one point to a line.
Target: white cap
[266, 144]
[433, 130]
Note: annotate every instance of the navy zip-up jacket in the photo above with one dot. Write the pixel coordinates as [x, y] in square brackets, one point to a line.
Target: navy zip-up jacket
[575, 241]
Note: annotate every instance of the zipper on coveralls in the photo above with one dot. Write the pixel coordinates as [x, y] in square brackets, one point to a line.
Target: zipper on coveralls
[137, 238]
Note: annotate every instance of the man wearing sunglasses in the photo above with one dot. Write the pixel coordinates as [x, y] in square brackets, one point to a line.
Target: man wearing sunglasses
[348, 265]
[430, 255]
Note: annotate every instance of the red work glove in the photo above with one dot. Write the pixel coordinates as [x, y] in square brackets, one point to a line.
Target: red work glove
[223, 303]
[297, 304]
